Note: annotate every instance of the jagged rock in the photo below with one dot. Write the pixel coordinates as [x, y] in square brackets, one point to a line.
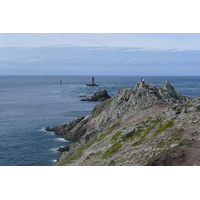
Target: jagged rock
[101, 95]
[170, 95]
[67, 129]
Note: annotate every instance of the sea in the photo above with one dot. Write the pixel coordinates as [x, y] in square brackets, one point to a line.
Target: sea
[29, 104]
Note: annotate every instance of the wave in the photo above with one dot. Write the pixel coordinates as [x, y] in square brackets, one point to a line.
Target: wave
[43, 130]
[55, 150]
[56, 91]
[61, 140]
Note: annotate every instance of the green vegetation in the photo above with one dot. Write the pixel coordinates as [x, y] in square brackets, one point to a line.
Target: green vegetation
[176, 136]
[101, 137]
[98, 153]
[115, 135]
[148, 129]
[194, 133]
[111, 163]
[108, 102]
[136, 134]
[188, 106]
[169, 124]
[112, 149]
[137, 143]
[114, 125]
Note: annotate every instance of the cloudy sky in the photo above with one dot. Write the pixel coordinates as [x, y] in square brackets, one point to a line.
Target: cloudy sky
[99, 54]
[148, 41]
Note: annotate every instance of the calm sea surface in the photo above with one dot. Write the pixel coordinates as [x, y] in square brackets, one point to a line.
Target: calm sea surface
[28, 104]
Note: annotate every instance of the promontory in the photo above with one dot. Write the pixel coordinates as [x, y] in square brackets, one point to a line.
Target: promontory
[144, 125]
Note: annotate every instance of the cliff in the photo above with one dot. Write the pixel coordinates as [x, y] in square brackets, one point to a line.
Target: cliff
[141, 126]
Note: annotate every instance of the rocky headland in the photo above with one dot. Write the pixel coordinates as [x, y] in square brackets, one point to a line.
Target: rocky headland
[140, 126]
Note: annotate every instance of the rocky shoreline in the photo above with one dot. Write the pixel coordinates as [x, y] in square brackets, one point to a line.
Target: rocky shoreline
[141, 126]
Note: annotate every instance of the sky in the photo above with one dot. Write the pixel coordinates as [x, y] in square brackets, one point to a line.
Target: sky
[99, 54]
[149, 41]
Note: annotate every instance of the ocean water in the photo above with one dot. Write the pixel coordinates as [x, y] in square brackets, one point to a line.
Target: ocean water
[28, 104]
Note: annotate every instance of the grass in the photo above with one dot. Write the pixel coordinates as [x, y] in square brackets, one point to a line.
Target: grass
[188, 106]
[137, 143]
[194, 133]
[115, 135]
[114, 125]
[182, 142]
[148, 129]
[111, 163]
[137, 133]
[98, 153]
[169, 124]
[112, 149]
[103, 135]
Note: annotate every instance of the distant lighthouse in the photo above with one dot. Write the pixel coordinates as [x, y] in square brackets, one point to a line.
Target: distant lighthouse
[92, 84]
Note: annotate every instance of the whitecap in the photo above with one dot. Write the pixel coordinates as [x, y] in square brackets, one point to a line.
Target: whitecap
[54, 161]
[56, 91]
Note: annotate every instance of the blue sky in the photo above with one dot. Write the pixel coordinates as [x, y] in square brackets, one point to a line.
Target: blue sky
[99, 54]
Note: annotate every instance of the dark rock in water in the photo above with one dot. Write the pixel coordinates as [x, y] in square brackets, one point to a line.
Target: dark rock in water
[101, 95]
[62, 149]
[92, 84]
[82, 96]
[48, 129]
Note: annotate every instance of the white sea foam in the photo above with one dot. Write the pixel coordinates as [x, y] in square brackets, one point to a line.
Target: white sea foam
[60, 139]
[56, 91]
[55, 150]
[54, 161]
[43, 130]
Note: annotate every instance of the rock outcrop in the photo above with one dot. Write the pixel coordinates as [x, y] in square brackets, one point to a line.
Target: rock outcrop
[141, 126]
[101, 95]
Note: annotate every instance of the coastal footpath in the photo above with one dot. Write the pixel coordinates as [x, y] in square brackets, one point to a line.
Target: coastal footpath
[140, 126]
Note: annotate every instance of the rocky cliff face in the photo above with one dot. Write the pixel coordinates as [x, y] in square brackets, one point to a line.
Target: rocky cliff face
[141, 126]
